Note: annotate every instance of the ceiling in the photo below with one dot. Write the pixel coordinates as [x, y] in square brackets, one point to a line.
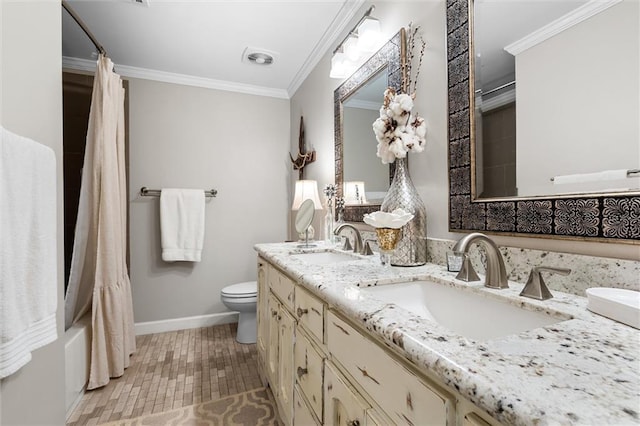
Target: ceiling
[202, 42]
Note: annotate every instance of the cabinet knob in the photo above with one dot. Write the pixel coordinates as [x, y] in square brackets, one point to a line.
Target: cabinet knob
[302, 372]
[301, 312]
[355, 422]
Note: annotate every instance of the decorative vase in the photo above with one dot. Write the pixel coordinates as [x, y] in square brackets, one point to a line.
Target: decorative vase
[411, 250]
[329, 224]
[387, 241]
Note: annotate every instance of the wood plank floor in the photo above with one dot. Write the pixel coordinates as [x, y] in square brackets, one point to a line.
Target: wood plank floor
[172, 370]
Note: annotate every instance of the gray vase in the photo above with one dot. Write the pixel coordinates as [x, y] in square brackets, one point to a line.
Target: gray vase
[411, 250]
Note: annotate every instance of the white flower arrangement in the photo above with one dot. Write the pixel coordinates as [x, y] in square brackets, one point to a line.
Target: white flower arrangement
[395, 220]
[397, 130]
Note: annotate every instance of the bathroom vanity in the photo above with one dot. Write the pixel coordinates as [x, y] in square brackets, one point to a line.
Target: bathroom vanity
[338, 344]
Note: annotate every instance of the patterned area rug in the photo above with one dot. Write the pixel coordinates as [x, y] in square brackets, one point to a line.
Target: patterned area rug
[253, 408]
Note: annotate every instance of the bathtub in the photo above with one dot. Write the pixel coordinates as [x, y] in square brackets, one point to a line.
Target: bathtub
[77, 347]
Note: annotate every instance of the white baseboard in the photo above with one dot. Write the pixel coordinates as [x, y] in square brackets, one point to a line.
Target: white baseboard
[162, 326]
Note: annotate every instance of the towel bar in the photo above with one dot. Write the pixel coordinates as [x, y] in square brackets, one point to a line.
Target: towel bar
[146, 192]
[629, 173]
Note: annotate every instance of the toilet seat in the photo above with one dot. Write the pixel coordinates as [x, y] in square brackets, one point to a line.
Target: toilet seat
[240, 290]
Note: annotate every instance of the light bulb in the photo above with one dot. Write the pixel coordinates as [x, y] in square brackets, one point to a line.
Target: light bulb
[369, 35]
[351, 48]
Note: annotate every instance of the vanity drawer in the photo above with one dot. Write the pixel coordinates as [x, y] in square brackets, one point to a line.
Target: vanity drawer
[405, 398]
[308, 371]
[282, 286]
[310, 313]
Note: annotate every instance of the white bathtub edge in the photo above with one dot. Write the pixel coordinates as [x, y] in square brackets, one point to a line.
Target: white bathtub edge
[175, 324]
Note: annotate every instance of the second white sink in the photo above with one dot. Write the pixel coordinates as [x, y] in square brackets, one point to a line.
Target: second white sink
[466, 313]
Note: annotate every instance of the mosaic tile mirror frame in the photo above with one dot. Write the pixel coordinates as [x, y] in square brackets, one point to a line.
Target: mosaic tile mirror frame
[613, 217]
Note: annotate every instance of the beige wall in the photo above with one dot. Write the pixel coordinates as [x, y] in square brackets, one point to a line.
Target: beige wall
[429, 170]
[182, 136]
[31, 105]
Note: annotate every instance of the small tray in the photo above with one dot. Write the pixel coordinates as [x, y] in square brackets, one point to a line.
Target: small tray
[616, 303]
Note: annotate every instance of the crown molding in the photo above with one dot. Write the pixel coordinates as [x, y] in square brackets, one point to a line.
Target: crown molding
[344, 16]
[563, 23]
[183, 79]
[357, 103]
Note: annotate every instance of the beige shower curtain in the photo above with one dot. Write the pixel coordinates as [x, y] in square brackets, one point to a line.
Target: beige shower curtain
[99, 276]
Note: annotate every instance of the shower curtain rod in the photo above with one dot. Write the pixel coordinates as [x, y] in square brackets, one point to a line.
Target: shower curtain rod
[84, 27]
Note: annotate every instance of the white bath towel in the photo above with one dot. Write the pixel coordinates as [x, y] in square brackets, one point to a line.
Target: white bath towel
[182, 224]
[28, 254]
[591, 177]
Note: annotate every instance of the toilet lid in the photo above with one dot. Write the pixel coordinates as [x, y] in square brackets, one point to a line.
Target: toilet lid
[248, 289]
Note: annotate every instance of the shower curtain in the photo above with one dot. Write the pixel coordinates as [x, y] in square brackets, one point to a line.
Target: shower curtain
[99, 279]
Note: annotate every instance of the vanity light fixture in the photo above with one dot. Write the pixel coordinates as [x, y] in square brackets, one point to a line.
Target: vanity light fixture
[362, 39]
[306, 190]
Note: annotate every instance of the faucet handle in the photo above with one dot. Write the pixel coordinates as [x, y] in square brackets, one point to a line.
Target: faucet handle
[467, 273]
[366, 247]
[535, 287]
[347, 244]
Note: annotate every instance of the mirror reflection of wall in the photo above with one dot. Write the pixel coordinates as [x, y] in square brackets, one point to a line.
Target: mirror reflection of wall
[577, 96]
[361, 164]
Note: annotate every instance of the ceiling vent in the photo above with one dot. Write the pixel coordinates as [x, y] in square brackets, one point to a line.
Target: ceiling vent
[258, 56]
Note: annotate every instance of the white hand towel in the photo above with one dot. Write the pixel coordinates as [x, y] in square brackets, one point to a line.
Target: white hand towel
[591, 177]
[182, 224]
[28, 253]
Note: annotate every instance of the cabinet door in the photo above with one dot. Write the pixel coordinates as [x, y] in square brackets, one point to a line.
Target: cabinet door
[263, 309]
[286, 364]
[301, 413]
[308, 369]
[342, 404]
[273, 308]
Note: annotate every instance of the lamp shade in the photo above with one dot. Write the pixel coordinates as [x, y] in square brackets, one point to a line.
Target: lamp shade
[354, 193]
[338, 69]
[369, 35]
[306, 190]
[351, 48]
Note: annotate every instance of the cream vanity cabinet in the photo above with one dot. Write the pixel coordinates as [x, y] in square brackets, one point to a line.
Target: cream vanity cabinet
[262, 318]
[324, 370]
[276, 335]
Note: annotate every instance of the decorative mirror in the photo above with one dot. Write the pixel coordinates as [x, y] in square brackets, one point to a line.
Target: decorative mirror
[304, 217]
[530, 199]
[356, 106]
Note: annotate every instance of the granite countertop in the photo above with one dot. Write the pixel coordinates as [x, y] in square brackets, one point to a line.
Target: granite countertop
[584, 370]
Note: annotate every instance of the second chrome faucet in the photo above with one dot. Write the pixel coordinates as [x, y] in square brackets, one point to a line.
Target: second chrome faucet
[496, 274]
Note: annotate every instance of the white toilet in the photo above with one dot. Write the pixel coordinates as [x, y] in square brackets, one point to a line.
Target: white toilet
[243, 298]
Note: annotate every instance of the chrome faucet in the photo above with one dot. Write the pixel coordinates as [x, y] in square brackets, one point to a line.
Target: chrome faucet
[496, 274]
[358, 239]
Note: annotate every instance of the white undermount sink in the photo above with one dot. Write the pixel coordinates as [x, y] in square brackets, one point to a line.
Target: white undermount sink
[325, 257]
[463, 312]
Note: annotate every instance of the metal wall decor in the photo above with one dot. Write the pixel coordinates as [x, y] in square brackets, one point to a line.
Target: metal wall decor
[613, 217]
[388, 56]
